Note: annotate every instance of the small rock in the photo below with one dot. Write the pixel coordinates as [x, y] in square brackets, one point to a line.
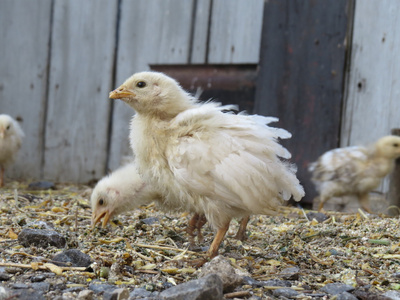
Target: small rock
[41, 238]
[345, 296]
[115, 273]
[320, 217]
[222, 267]
[4, 294]
[290, 273]
[117, 294]
[394, 295]
[336, 288]
[38, 278]
[75, 257]
[41, 286]
[4, 277]
[18, 286]
[26, 294]
[396, 275]
[13, 270]
[206, 288]
[85, 295]
[285, 292]
[277, 282]
[139, 293]
[150, 221]
[41, 185]
[101, 287]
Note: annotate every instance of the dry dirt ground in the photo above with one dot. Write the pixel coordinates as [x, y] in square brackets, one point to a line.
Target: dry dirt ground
[150, 248]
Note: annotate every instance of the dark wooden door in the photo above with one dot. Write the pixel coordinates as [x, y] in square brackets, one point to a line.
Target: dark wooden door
[301, 75]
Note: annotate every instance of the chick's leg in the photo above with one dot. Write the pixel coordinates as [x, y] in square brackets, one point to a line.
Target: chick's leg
[213, 250]
[241, 234]
[364, 202]
[190, 229]
[322, 200]
[199, 225]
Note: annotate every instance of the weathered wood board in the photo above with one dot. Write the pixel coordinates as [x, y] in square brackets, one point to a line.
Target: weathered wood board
[81, 68]
[24, 38]
[372, 105]
[301, 76]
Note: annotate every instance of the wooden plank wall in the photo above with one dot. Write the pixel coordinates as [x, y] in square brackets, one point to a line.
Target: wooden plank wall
[301, 75]
[61, 58]
[372, 106]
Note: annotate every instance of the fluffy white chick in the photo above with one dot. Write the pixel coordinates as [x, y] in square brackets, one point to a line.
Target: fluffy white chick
[11, 136]
[354, 170]
[205, 160]
[119, 192]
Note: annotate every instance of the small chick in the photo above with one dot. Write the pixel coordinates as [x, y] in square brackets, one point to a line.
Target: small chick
[354, 170]
[11, 136]
[121, 191]
[203, 159]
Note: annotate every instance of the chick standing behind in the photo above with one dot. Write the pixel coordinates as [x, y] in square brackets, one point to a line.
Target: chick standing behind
[204, 160]
[11, 136]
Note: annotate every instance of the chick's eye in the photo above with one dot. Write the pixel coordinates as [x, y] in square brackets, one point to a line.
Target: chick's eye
[395, 145]
[8, 127]
[101, 201]
[141, 84]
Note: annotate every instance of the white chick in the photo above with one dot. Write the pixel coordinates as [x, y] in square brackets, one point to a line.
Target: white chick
[354, 170]
[119, 192]
[204, 160]
[11, 136]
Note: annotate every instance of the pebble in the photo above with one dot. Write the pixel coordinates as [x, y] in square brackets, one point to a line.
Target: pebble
[393, 295]
[41, 185]
[41, 238]
[26, 294]
[205, 288]
[72, 257]
[101, 287]
[285, 292]
[85, 295]
[290, 273]
[336, 288]
[345, 296]
[222, 267]
[38, 278]
[41, 286]
[4, 277]
[320, 217]
[117, 294]
[139, 293]
[277, 282]
[150, 221]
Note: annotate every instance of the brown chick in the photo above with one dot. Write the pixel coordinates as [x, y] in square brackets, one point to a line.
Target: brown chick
[354, 170]
[11, 136]
[204, 160]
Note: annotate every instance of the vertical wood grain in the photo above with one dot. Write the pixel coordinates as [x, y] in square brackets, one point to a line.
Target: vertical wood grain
[82, 52]
[24, 38]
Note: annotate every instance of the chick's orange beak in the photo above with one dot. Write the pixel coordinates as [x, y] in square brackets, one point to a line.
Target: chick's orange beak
[121, 92]
[97, 218]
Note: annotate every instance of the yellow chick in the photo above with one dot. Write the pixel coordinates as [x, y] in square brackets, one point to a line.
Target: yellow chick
[203, 159]
[11, 136]
[354, 170]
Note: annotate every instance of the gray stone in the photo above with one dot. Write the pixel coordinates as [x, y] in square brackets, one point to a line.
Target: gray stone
[41, 238]
[4, 293]
[150, 221]
[41, 286]
[85, 295]
[101, 287]
[139, 293]
[222, 267]
[38, 278]
[73, 257]
[26, 294]
[336, 288]
[117, 294]
[41, 185]
[4, 276]
[320, 217]
[18, 286]
[277, 282]
[285, 292]
[290, 273]
[345, 296]
[394, 295]
[206, 288]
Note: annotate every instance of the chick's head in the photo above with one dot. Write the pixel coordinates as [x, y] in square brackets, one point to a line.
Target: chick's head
[153, 93]
[9, 127]
[388, 147]
[105, 204]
